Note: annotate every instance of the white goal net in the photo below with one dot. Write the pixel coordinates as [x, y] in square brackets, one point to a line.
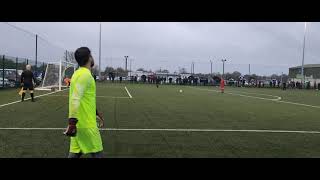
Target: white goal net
[56, 74]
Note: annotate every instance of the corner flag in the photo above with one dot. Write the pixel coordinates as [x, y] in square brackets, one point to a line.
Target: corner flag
[21, 91]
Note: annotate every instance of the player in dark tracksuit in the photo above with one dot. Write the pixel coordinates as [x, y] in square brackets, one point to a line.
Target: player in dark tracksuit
[157, 81]
[26, 82]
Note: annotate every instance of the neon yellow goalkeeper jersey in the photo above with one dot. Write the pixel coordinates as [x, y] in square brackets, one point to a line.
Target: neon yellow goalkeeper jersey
[82, 105]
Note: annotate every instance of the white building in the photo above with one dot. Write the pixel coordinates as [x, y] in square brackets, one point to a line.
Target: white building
[138, 74]
[185, 75]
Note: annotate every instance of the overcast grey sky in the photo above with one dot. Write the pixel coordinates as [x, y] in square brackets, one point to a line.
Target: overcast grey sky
[270, 47]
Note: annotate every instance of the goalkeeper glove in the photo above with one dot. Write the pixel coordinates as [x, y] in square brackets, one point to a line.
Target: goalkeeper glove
[72, 128]
[101, 119]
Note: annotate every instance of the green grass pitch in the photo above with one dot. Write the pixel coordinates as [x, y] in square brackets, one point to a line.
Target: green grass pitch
[164, 109]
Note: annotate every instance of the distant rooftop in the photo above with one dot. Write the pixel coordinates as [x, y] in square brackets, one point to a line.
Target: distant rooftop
[307, 66]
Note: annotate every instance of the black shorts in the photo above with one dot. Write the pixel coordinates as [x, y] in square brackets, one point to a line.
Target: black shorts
[28, 86]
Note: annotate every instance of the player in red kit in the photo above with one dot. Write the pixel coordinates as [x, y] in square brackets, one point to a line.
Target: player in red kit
[222, 85]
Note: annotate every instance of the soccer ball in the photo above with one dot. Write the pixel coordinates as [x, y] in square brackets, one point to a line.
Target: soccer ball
[180, 91]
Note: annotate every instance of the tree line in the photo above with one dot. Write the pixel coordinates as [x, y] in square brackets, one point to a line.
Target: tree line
[235, 75]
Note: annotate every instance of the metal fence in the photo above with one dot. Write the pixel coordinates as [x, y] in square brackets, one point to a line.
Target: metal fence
[36, 50]
[12, 67]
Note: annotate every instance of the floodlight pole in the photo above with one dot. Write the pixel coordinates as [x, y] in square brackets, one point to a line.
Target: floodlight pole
[193, 68]
[36, 52]
[66, 55]
[130, 66]
[126, 62]
[3, 57]
[211, 66]
[223, 60]
[60, 75]
[100, 53]
[304, 42]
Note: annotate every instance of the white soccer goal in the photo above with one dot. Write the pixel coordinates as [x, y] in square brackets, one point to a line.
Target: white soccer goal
[55, 74]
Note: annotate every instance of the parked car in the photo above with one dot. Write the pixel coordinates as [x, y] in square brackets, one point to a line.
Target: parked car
[5, 82]
[231, 82]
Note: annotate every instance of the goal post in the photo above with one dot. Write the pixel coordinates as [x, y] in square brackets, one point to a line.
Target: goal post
[55, 74]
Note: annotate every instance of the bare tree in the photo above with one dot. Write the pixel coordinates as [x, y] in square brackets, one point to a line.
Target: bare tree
[183, 70]
[121, 72]
[108, 70]
[141, 69]
[95, 70]
[162, 71]
[69, 56]
[235, 75]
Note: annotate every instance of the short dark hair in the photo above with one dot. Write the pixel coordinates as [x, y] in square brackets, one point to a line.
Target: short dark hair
[82, 55]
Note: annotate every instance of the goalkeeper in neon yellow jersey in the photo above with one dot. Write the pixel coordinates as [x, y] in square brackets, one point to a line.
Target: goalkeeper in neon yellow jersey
[82, 128]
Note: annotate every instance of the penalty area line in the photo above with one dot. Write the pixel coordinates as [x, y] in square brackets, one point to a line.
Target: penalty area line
[278, 100]
[15, 102]
[128, 92]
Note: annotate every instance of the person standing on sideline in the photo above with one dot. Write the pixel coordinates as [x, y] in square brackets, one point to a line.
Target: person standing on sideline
[26, 82]
[222, 85]
[94, 77]
[284, 85]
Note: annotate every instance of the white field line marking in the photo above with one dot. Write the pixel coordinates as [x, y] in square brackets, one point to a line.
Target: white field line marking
[128, 92]
[30, 98]
[96, 96]
[182, 130]
[277, 97]
[299, 104]
[110, 86]
[274, 100]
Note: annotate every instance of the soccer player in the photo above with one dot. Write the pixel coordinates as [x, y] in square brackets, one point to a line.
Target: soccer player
[222, 85]
[67, 81]
[284, 85]
[94, 77]
[157, 81]
[82, 127]
[26, 82]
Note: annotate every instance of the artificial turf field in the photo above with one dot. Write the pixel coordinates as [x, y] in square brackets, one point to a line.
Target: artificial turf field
[162, 122]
